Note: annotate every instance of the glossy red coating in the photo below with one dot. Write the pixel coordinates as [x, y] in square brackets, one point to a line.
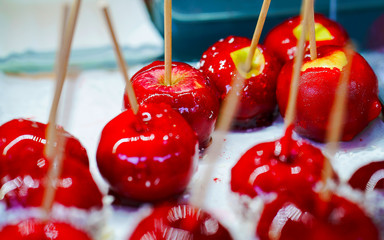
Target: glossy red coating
[22, 142]
[258, 103]
[368, 177]
[284, 165]
[191, 94]
[75, 188]
[150, 156]
[316, 95]
[181, 222]
[283, 42]
[310, 218]
[36, 230]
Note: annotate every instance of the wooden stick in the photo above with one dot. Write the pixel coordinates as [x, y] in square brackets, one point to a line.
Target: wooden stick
[56, 159]
[120, 59]
[311, 30]
[65, 15]
[227, 112]
[298, 62]
[168, 42]
[335, 123]
[256, 35]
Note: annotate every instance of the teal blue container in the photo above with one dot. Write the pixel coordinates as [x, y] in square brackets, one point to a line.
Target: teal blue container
[197, 24]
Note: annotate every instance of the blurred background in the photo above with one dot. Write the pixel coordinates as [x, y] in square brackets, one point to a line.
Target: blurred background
[30, 29]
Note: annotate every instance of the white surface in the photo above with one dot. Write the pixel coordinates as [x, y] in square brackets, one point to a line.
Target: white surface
[98, 98]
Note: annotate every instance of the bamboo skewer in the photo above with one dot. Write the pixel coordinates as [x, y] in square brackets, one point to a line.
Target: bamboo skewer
[335, 123]
[65, 15]
[53, 154]
[311, 30]
[227, 112]
[298, 62]
[120, 59]
[168, 42]
[256, 35]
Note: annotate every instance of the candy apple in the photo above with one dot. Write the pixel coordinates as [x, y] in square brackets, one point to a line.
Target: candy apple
[224, 61]
[190, 93]
[368, 177]
[311, 218]
[22, 142]
[284, 165]
[284, 37]
[33, 229]
[317, 85]
[180, 222]
[149, 156]
[75, 186]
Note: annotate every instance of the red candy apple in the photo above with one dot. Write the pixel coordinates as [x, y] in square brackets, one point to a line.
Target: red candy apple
[190, 93]
[22, 142]
[310, 218]
[317, 86]
[368, 177]
[284, 37]
[180, 222]
[223, 61]
[284, 165]
[149, 156]
[37, 230]
[75, 186]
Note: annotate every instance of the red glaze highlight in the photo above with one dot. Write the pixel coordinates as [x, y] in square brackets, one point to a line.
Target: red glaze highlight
[191, 94]
[283, 42]
[150, 156]
[22, 142]
[317, 86]
[75, 188]
[368, 177]
[284, 165]
[180, 222]
[258, 103]
[36, 230]
[310, 218]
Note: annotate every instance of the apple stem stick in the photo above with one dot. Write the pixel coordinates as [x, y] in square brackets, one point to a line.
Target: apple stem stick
[64, 21]
[123, 68]
[256, 35]
[227, 112]
[298, 62]
[56, 159]
[168, 42]
[336, 118]
[311, 30]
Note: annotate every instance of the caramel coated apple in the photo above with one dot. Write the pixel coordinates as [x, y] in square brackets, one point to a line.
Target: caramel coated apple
[283, 38]
[224, 61]
[317, 85]
[311, 218]
[149, 156]
[190, 93]
[180, 221]
[282, 166]
[33, 229]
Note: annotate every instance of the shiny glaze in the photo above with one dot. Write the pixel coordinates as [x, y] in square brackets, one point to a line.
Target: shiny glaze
[258, 103]
[181, 222]
[22, 142]
[150, 156]
[35, 230]
[316, 95]
[75, 188]
[310, 218]
[284, 165]
[283, 42]
[368, 177]
[191, 94]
